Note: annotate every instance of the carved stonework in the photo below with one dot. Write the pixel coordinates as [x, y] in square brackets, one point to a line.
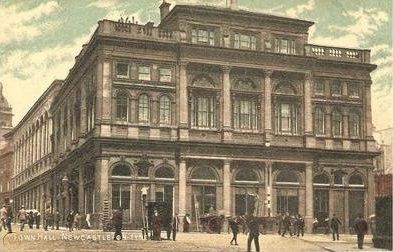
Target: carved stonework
[203, 81]
[245, 84]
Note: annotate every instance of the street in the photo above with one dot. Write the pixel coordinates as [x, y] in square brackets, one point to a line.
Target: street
[95, 240]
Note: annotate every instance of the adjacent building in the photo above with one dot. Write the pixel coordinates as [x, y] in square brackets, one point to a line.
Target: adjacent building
[226, 108]
[384, 139]
[6, 149]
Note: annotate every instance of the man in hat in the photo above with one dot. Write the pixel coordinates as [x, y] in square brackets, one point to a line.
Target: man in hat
[253, 226]
[22, 217]
[361, 228]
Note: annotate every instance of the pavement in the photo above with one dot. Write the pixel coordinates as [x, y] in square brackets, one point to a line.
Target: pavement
[32, 240]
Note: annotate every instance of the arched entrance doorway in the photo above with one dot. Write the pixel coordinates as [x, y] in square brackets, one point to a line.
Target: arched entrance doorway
[287, 183]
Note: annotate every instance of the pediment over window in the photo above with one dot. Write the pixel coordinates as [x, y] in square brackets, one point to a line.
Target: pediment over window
[285, 88]
[245, 84]
[203, 81]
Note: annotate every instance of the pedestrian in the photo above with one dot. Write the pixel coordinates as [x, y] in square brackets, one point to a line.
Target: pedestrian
[315, 225]
[334, 225]
[186, 223]
[37, 219]
[30, 219]
[279, 222]
[56, 219]
[326, 225]
[22, 217]
[77, 221]
[3, 218]
[235, 229]
[10, 216]
[117, 222]
[156, 225]
[70, 220]
[253, 227]
[360, 228]
[294, 224]
[47, 218]
[300, 225]
[88, 223]
[286, 224]
[175, 226]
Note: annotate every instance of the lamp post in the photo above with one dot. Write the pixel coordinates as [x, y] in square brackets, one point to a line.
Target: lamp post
[144, 192]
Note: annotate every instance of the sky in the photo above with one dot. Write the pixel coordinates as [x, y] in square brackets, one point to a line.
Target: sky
[39, 39]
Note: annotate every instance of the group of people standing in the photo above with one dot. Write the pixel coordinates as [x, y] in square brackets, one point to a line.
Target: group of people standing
[294, 224]
[6, 218]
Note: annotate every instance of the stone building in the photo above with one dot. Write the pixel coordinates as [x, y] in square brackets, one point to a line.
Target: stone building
[230, 109]
[32, 158]
[384, 139]
[5, 148]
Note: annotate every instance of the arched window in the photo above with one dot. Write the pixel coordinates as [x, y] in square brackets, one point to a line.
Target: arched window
[143, 108]
[356, 180]
[121, 170]
[121, 106]
[354, 125]
[321, 179]
[164, 172]
[337, 123]
[165, 110]
[287, 177]
[319, 121]
[246, 175]
[245, 114]
[203, 173]
[286, 117]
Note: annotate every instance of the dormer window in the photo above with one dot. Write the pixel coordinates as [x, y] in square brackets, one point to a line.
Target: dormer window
[243, 41]
[202, 36]
[286, 46]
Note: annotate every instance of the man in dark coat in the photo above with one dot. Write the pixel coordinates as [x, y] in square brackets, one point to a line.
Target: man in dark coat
[22, 216]
[10, 216]
[300, 225]
[253, 227]
[37, 216]
[360, 228]
[279, 220]
[156, 225]
[70, 220]
[175, 226]
[286, 224]
[48, 218]
[30, 219]
[117, 222]
[235, 229]
[334, 224]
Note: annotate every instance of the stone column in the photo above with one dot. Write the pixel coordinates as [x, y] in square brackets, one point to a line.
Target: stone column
[370, 194]
[101, 184]
[307, 104]
[346, 211]
[106, 108]
[81, 190]
[268, 104]
[183, 101]
[227, 188]
[226, 104]
[309, 197]
[182, 190]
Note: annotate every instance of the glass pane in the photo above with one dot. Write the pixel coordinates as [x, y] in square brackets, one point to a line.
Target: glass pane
[165, 110]
[144, 73]
[284, 46]
[165, 75]
[122, 70]
[143, 108]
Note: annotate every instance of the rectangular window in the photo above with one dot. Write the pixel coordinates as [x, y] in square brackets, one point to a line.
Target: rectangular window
[144, 73]
[353, 90]
[319, 87]
[286, 118]
[245, 114]
[202, 36]
[120, 196]
[165, 74]
[122, 70]
[245, 41]
[285, 46]
[336, 88]
[204, 112]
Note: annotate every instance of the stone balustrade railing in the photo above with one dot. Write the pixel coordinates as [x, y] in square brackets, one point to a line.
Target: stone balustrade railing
[137, 31]
[337, 53]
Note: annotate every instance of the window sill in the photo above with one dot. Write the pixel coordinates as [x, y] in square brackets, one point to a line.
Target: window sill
[235, 130]
[203, 128]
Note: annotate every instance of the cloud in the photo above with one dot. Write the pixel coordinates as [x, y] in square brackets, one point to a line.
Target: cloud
[22, 24]
[103, 4]
[300, 9]
[26, 74]
[363, 23]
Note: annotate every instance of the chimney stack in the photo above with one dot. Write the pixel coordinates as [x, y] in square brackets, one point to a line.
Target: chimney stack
[164, 9]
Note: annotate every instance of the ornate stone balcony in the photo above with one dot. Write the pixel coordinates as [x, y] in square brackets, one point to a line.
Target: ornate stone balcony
[337, 53]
